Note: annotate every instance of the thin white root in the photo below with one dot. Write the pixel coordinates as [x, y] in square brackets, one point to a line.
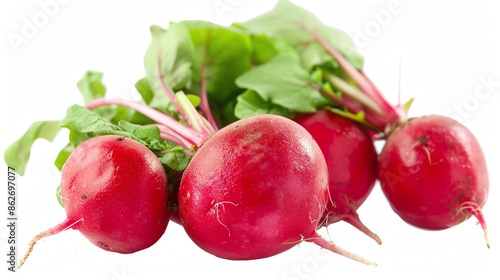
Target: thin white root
[216, 207]
[66, 224]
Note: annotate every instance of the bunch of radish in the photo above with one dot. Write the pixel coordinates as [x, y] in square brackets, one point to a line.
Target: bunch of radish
[256, 181]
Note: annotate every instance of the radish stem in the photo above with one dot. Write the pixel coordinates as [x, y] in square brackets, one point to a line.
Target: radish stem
[378, 107]
[205, 107]
[194, 118]
[168, 124]
[355, 93]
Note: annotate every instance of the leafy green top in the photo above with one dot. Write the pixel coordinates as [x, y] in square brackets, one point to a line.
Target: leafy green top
[282, 62]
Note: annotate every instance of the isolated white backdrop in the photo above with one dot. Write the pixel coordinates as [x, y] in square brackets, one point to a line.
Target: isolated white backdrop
[450, 64]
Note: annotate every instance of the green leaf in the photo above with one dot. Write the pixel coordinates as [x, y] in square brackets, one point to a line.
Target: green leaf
[84, 124]
[91, 87]
[283, 82]
[408, 104]
[317, 76]
[176, 160]
[76, 137]
[194, 99]
[63, 155]
[290, 22]
[315, 55]
[59, 196]
[359, 117]
[142, 86]
[264, 48]
[221, 54]
[250, 103]
[148, 135]
[80, 119]
[18, 153]
[227, 112]
[167, 62]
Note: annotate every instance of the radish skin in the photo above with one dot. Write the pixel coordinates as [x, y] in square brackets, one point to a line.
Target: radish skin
[433, 172]
[431, 169]
[352, 165]
[114, 192]
[256, 188]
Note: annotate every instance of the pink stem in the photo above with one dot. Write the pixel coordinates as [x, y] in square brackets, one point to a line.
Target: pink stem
[351, 71]
[175, 138]
[186, 133]
[205, 107]
[171, 97]
[396, 112]
[354, 107]
[393, 114]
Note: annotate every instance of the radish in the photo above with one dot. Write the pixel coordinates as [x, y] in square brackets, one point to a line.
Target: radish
[433, 172]
[252, 189]
[115, 193]
[431, 168]
[352, 165]
[256, 188]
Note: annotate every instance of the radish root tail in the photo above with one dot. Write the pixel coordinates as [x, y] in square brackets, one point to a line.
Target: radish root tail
[354, 220]
[323, 243]
[475, 210]
[66, 224]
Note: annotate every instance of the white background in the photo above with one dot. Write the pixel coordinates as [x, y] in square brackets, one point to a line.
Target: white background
[446, 48]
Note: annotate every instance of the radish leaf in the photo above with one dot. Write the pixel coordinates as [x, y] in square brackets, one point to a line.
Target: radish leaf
[18, 153]
[176, 159]
[167, 63]
[63, 155]
[221, 55]
[84, 124]
[292, 23]
[59, 196]
[250, 103]
[283, 82]
[91, 87]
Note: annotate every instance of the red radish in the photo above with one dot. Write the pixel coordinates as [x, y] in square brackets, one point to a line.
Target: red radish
[256, 188]
[115, 193]
[433, 173]
[252, 189]
[352, 165]
[432, 169]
